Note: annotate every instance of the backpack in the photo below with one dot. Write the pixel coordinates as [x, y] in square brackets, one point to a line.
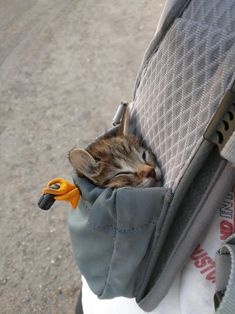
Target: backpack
[133, 241]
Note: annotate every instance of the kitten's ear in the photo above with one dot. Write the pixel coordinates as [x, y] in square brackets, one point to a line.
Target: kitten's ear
[123, 127]
[83, 162]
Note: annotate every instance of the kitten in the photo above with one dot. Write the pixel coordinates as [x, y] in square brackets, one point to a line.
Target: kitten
[117, 161]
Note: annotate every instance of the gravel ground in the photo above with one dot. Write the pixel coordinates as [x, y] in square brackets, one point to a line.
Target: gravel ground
[64, 66]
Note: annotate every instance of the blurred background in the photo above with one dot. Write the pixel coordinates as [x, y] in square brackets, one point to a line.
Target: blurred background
[65, 65]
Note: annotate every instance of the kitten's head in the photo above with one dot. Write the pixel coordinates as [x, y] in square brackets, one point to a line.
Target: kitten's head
[117, 162]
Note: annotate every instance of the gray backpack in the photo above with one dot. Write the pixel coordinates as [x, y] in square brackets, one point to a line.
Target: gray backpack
[133, 241]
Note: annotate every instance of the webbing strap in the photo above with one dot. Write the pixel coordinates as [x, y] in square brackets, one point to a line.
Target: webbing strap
[225, 264]
[228, 152]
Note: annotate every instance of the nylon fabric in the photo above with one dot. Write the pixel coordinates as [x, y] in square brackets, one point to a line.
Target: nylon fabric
[111, 235]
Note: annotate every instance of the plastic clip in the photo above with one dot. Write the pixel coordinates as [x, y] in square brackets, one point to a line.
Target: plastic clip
[120, 113]
[61, 190]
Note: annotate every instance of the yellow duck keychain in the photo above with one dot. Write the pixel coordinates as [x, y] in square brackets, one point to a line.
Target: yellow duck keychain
[61, 190]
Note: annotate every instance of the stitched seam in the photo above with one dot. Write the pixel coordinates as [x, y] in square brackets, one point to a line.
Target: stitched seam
[157, 232]
[109, 267]
[124, 231]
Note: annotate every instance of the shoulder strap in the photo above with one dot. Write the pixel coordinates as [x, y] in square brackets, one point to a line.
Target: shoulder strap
[172, 10]
[204, 186]
[208, 177]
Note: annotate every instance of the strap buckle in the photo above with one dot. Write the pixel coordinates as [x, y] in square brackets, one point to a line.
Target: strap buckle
[222, 124]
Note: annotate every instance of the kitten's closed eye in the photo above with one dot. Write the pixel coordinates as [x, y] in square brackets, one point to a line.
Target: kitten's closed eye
[148, 157]
[121, 173]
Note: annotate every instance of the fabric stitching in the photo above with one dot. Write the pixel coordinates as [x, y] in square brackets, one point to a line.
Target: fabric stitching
[124, 231]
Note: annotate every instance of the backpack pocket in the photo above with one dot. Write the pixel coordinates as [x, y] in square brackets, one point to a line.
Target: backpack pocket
[112, 233]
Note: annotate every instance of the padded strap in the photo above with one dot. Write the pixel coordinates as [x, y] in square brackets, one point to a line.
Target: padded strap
[225, 276]
[172, 10]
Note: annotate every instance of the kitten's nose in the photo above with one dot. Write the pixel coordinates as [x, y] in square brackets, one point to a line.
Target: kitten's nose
[147, 172]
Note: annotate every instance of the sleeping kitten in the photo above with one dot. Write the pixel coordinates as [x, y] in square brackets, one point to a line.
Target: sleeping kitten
[117, 161]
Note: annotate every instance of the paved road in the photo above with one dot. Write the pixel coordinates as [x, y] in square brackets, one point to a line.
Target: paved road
[64, 65]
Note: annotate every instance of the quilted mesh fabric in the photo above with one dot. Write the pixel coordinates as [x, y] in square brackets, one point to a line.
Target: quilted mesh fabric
[183, 83]
[216, 13]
